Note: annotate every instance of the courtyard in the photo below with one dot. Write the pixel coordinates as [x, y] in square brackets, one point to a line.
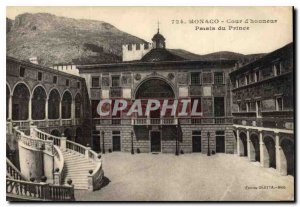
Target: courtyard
[187, 177]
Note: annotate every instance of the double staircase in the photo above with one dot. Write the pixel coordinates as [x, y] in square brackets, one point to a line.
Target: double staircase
[74, 167]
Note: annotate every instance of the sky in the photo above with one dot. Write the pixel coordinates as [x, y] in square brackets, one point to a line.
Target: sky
[142, 22]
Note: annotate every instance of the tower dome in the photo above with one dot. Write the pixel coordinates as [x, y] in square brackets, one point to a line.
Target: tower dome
[158, 40]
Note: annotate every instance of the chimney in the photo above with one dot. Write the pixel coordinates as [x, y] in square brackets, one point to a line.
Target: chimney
[33, 60]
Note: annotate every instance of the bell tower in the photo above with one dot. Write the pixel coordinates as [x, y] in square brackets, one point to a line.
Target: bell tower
[158, 41]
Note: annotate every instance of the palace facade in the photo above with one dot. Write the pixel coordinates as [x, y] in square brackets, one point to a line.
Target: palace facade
[263, 110]
[161, 74]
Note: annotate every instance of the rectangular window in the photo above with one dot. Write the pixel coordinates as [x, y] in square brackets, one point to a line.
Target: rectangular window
[95, 82]
[239, 107]
[248, 107]
[219, 106]
[247, 79]
[67, 82]
[138, 46]
[279, 104]
[258, 109]
[54, 79]
[115, 81]
[257, 76]
[40, 76]
[195, 79]
[218, 78]
[277, 69]
[129, 47]
[22, 71]
[198, 107]
[78, 84]
[146, 46]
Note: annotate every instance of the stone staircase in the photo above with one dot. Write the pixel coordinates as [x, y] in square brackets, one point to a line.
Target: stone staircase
[77, 168]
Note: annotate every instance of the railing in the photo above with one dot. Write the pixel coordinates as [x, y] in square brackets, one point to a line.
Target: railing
[21, 124]
[164, 121]
[45, 136]
[66, 122]
[53, 122]
[76, 147]
[13, 172]
[40, 123]
[25, 190]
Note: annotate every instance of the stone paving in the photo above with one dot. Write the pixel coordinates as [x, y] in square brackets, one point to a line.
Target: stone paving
[191, 177]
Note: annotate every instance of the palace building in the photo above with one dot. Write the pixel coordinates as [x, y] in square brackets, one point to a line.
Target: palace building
[263, 110]
[158, 73]
[247, 110]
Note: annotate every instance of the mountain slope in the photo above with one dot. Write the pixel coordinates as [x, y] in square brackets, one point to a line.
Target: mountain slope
[222, 55]
[57, 40]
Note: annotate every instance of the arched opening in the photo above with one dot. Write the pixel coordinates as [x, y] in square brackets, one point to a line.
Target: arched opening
[53, 104]
[7, 101]
[254, 148]
[154, 88]
[270, 156]
[243, 144]
[38, 103]
[68, 133]
[79, 134]
[66, 105]
[289, 156]
[20, 102]
[78, 106]
[55, 132]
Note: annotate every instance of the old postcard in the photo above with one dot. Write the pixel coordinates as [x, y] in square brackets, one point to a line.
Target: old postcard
[150, 104]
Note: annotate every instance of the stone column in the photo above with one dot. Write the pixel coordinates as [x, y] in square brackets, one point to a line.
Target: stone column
[60, 113]
[73, 112]
[238, 142]
[46, 110]
[10, 107]
[281, 164]
[264, 162]
[29, 110]
[249, 155]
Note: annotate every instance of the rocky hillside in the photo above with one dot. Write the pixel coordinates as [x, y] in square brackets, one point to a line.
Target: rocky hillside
[57, 40]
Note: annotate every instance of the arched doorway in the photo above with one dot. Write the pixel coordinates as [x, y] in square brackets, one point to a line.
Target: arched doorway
[243, 144]
[254, 148]
[38, 103]
[20, 102]
[7, 101]
[289, 156]
[66, 105]
[270, 155]
[55, 132]
[79, 134]
[53, 104]
[78, 106]
[68, 133]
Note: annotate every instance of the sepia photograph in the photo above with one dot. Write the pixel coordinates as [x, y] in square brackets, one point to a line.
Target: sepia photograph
[150, 104]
